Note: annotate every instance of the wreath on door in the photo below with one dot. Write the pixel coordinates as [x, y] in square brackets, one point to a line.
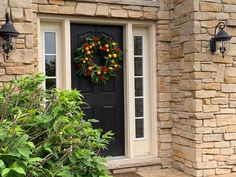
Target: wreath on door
[107, 50]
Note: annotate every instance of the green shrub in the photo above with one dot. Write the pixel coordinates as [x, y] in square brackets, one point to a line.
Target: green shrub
[44, 134]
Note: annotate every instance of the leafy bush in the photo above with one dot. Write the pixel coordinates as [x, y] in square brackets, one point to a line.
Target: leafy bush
[44, 134]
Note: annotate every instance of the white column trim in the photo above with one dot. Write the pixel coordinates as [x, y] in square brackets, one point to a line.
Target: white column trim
[129, 94]
[67, 53]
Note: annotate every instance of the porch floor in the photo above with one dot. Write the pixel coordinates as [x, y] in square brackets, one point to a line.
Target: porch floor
[165, 173]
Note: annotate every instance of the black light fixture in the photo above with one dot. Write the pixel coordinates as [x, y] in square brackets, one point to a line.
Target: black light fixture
[7, 33]
[221, 38]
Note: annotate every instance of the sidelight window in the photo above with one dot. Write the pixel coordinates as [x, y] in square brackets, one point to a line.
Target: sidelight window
[139, 90]
[50, 58]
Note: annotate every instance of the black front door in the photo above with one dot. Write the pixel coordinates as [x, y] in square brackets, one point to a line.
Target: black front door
[106, 102]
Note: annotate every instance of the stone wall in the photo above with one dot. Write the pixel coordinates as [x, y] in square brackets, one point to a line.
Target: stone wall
[96, 9]
[163, 42]
[138, 10]
[204, 89]
[196, 90]
[23, 59]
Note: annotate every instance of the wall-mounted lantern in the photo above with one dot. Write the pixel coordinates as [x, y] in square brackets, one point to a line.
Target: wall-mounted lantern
[8, 33]
[220, 39]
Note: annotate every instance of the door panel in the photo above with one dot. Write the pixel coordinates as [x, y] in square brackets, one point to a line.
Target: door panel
[106, 102]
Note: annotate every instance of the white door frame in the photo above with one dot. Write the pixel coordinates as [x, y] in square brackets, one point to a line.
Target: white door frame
[128, 26]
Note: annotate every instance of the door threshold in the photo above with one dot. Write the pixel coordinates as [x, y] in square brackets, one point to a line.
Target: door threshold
[124, 162]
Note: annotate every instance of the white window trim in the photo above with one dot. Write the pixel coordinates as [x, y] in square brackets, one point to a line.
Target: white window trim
[144, 97]
[51, 27]
[128, 73]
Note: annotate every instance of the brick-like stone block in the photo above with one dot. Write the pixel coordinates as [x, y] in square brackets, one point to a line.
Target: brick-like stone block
[164, 96]
[210, 108]
[135, 14]
[58, 2]
[190, 85]
[226, 151]
[230, 71]
[209, 123]
[88, 9]
[220, 73]
[28, 14]
[220, 101]
[29, 69]
[21, 3]
[29, 41]
[206, 165]
[209, 172]
[15, 70]
[150, 15]
[202, 75]
[2, 71]
[165, 138]
[52, 9]
[209, 67]
[225, 119]
[211, 86]
[229, 88]
[17, 14]
[5, 78]
[210, 7]
[102, 10]
[221, 171]
[204, 16]
[22, 56]
[231, 22]
[40, 1]
[163, 15]
[213, 137]
[192, 105]
[66, 9]
[205, 93]
[229, 8]
[218, 58]
[222, 144]
[24, 28]
[119, 13]
[190, 28]
[230, 136]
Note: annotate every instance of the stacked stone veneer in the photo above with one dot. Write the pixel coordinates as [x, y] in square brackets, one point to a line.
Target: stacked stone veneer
[196, 90]
[23, 60]
[133, 10]
[203, 88]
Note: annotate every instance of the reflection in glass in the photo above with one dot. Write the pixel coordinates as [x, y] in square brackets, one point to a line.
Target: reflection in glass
[138, 107]
[139, 128]
[138, 45]
[138, 87]
[50, 83]
[50, 42]
[50, 65]
[138, 66]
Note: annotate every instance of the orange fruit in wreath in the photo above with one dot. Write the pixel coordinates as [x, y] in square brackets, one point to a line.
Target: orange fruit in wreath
[115, 55]
[99, 72]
